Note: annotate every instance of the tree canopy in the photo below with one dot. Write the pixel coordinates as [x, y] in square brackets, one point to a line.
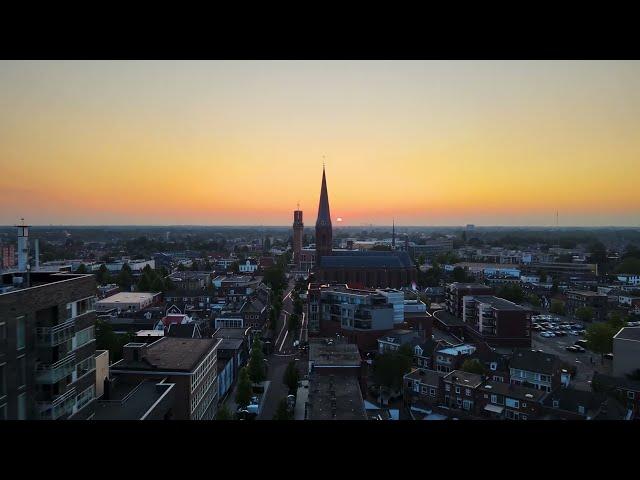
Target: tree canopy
[244, 390]
[389, 368]
[291, 377]
[256, 362]
[473, 365]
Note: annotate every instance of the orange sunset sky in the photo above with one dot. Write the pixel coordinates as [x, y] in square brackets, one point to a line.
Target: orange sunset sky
[241, 142]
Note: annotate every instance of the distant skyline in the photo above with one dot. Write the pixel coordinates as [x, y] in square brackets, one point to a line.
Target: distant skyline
[429, 143]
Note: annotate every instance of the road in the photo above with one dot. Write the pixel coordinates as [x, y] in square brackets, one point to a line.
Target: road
[284, 352]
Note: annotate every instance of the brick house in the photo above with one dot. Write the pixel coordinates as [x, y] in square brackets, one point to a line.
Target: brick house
[422, 389]
[461, 392]
[536, 369]
[501, 401]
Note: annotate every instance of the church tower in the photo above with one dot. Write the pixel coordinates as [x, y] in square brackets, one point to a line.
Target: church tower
[298, 229]
[324, 231]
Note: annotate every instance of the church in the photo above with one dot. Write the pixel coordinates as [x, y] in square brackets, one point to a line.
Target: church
[372, 269]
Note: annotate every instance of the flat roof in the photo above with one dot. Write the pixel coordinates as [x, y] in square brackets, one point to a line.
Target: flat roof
[335, 397]
[629, 333]
[464, 379]
[498, 303]
[170, 353]
[337, 354]
[131, 401]
[587, 293]
[128, 297]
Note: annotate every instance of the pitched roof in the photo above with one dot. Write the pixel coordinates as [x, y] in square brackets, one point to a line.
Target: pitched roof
[324, 215]
[535, 361]
[570, 399]
[628, 333]
[369, 259]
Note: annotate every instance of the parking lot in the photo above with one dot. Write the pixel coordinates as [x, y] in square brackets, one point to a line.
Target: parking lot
[583, 361]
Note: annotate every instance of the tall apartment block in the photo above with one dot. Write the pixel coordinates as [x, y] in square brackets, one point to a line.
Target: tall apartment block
[47, 346]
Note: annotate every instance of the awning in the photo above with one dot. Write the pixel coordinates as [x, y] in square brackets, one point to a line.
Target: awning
[494, 408]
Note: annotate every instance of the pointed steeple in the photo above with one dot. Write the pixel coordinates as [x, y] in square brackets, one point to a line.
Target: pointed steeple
[324, 215]
[393, 235]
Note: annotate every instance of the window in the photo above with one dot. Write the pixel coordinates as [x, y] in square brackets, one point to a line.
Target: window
[498, 379]
[510, 402]
[631, 395]
[447, 387]
[467, 392]
[424, 390]
[22, 406]
[467, 404]
[556, 404]
[493, 366]
[523, 417]
[20, 333]
[494, 399]
[3, 332]
[457, 389]
[580, 409]
[22, 371]
[432, 392]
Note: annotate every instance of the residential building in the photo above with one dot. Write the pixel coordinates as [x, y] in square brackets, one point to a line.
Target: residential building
[626, 351]
[394, 339]
[497, 321]
[125, 398]
[430, 248]
[423, 389]
[128, 301]
[8, 255]
[250, 265]
[571, 404]
[629, 279]
[47, 346]
[626, 390]
[577, 299]
[456, 291]
[334, 397]
[501, 401]
[451, 357]
[461, 391]
[537, 369]
[189, 363]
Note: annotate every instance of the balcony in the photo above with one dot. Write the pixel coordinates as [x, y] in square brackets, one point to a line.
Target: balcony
[52, 336]
[59, 406]
[53, 373]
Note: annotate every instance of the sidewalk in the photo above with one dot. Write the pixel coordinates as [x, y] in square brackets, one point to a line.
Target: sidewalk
[301, 399]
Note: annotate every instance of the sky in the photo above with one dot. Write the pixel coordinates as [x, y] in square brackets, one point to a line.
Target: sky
[242, 142]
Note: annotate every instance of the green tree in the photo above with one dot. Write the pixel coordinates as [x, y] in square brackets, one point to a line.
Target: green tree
[181, 267]
[557, 307]
[291, 377]
[244, 390]
[294, 322]
[629, 265]
[103, 276]
[599, 338]
[158, 284]
[389, 368]
[274, 320]
[298, 306]
[282, 412]
[617, 320]
[224, 413]
[511, 292]
[82, 268]
[144, 284]
[422, 260]
[534, 300]
[125, 278]
[584, 314]
[266, 246]
[459, 275]
[473, 365]
[256, 362]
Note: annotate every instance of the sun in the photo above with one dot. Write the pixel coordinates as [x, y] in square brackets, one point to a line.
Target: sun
[339, 219]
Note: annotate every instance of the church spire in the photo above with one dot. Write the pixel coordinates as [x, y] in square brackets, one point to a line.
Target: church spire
[324, 215]
[393, 235]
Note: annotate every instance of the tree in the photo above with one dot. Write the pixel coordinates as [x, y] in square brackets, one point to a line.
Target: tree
[244, 391]
[291, 377]
[473, 365]
[103, 277]
[82, 268]
[107, 339]
[584, 314]
[195, 266]
[181, 267]
[256, 362]
[125, 278]
[298, 306]
[293, 322]
[534, 300]
[274, 320]
[459, 274]
[617, 320]
[557, 307]
[283, 413]
[422, 260]
[629, 265]
[513, 293]
[599, 338]
[389, 368]
[224, 413]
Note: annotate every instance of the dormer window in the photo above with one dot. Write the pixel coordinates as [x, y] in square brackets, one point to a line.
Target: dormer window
[493, 366]
[556, 404]
[580, 409]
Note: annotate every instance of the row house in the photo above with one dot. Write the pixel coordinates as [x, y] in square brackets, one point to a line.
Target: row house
[501, 401]
[626, 390]
[537, 369]
[451, 358]
[577, 299]
[422, 390]
[461, 391]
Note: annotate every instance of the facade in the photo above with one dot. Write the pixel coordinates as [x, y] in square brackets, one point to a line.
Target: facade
[8, 255]
[497, 321]
[536, 369]
[361, 315]
[128, 399]
[577, 299]
[451, 357]
[626, 351]
[456, 291]
[501, 401]
[47, 347]
[393, 340]
[423, 389]
[430, 249]
[461, 391]
[249, 266]
[189, 363]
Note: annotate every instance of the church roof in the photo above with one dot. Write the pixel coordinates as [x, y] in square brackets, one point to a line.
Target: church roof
[324, 215]
[357, 259]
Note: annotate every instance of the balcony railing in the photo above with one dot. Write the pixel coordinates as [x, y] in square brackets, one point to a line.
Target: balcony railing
[59, 406]
[52, 336]
[53, 373]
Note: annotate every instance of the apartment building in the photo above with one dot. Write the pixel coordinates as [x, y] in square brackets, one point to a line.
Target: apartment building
[496, 321]
[47, 346]
[188, 363]
[455, 292]
[577, 299]
[451, 357]
[461, 391]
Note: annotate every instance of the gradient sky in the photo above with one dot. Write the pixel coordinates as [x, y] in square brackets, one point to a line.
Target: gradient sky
[241, 142]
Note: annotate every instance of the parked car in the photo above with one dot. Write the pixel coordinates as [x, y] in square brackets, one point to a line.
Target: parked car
[608, 356]
[580, 348]
[571, 348]
[573, 332]
[561, 333]
[581, 342]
